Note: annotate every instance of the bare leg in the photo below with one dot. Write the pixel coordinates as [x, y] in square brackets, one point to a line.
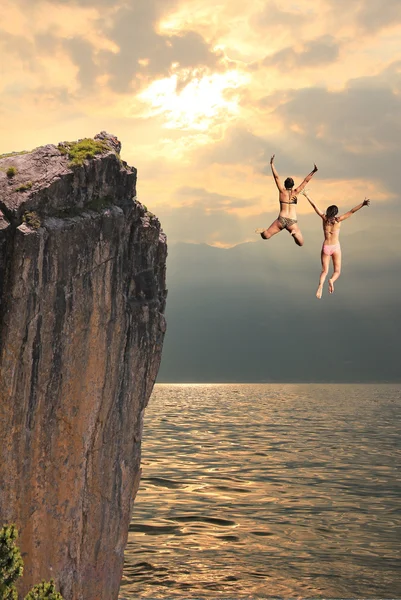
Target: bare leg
[337, 270]
[325, 269]
[296, 234]
[274, 228]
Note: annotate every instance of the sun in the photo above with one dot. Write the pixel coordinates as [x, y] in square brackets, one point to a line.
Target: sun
[198, 104]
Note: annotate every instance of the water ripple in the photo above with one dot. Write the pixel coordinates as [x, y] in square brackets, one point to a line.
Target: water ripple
[268, 491]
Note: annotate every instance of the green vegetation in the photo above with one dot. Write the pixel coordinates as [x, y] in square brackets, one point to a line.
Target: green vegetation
[11, 172]
[10, 154]
[24, 187]
[44, 590]
[12, 566]
[147, 211]
[80, 151]
[31, 219]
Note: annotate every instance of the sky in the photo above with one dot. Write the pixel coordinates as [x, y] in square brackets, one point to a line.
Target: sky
[201, 93]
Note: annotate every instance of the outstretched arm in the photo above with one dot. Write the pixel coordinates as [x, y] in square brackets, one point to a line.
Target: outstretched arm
[348, 214]
[315, 208]
[305, 181]
[275, 175]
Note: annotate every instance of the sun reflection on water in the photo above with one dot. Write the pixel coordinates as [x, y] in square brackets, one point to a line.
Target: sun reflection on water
[259, 491]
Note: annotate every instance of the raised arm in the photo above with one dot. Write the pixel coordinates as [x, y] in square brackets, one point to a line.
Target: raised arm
[275, 175]
[315, 208]
[348, 214]
[305, 181]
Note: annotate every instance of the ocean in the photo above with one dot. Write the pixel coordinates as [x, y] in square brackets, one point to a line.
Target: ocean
[270, 490]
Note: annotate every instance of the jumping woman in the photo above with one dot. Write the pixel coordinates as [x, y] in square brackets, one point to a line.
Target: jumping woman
[331, 248]
[287, 218]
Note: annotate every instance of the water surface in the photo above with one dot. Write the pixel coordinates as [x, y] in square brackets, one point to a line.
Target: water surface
[268, 490]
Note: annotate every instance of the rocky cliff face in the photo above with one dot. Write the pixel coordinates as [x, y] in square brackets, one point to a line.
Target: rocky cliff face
[82, 296]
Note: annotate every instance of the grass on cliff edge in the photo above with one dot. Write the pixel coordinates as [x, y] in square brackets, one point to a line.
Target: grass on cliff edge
[80, 151]
[12, 154]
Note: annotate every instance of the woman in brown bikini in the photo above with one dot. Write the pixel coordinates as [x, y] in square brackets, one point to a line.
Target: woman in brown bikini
[331, 248]
[287, 218]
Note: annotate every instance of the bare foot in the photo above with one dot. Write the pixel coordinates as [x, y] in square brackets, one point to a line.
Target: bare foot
[261, 232]
[319, 292]
[331, 286]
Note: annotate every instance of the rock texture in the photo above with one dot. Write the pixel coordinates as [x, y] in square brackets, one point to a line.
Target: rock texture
[82, 297]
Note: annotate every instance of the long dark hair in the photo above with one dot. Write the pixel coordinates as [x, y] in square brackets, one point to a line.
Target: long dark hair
[331, 213]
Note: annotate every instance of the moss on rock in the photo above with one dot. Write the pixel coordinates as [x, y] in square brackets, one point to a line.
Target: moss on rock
[32, 219]
[82, 150]
[11, 172]
[24, 187]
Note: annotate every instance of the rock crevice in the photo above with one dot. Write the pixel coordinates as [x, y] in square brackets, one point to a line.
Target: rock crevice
[82, 299]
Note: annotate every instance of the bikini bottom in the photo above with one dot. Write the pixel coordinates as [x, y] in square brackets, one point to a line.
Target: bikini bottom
[329, 249]
[286, 222]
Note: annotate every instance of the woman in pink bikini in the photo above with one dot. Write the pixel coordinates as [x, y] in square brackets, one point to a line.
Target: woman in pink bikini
[331, 245]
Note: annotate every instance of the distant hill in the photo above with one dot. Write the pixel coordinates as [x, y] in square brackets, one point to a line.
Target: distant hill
[249, 314]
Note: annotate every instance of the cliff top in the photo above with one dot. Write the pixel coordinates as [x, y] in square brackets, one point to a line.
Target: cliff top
[54, 180]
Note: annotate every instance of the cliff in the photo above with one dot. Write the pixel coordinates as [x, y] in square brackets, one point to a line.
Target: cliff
[82, 297]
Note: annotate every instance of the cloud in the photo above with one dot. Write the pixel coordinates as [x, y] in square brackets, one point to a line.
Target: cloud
[375, 15]
[212, 201]
[355, 131]
[239, 146]
[368, 15]
[273, 16]
[204, 216]
[122, 43]
[314, 53]
[134, 31]
[16, 45]
[81, 63]
[351, 133]
[362, 235]
[81, 53]
[195, 224]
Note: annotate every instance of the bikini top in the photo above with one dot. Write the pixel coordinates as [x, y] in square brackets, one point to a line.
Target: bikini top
[293, 198]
